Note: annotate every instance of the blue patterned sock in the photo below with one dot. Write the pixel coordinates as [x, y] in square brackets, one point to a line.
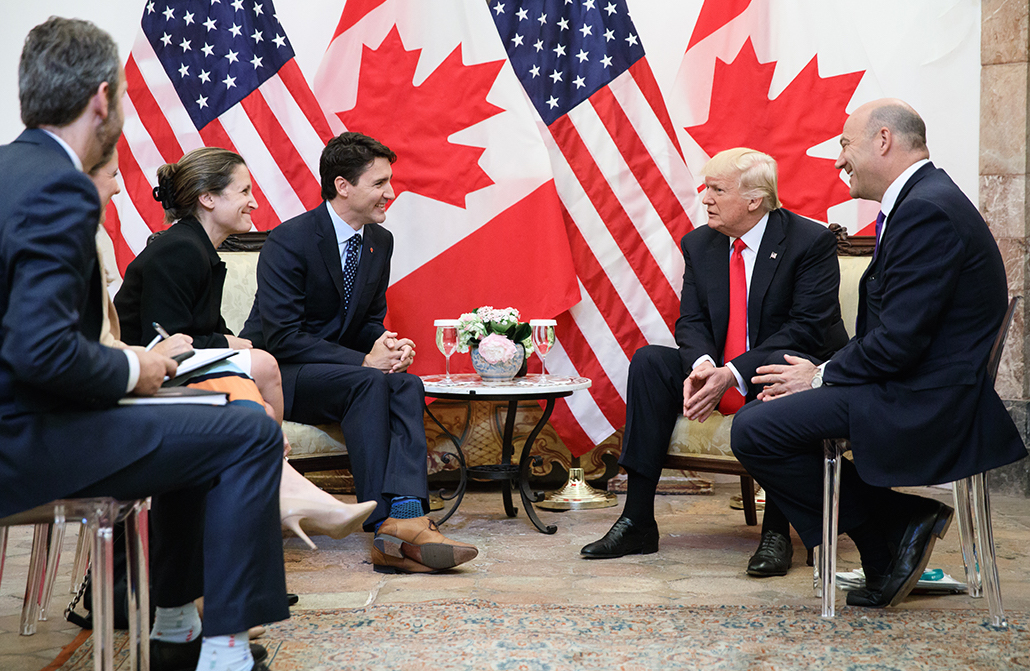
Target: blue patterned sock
[405, 507]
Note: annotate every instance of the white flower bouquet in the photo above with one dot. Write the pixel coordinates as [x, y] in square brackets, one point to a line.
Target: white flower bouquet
[486, 327]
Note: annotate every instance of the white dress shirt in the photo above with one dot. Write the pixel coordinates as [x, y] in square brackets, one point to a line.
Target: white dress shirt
[344, 232]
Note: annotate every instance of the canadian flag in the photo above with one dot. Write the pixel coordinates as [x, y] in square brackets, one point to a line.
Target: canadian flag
[781, 76]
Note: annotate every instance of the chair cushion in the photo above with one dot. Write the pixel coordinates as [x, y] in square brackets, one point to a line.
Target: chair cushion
[323, 440]
[711, 437]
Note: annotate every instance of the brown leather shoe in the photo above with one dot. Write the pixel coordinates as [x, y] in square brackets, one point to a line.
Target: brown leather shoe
[384, 564]
[419, 539]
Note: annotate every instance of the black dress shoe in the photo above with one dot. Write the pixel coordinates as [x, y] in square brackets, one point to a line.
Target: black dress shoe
[165, 656]
[929, 523]
[624, 538]
[773, 556]
[870, 596]
[292, 599]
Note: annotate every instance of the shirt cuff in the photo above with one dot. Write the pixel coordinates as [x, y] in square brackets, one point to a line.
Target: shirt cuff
[701, 359]
[133, 369]
[741, 387]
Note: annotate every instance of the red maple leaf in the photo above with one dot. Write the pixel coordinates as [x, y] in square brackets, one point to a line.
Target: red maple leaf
[416, 121]
[807, 113]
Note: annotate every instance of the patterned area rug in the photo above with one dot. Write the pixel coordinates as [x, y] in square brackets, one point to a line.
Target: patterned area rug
[475, 634]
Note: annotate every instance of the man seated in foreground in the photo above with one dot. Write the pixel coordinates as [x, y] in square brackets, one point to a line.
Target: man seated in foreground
[758, 281]
[213, 472]
[319, 309]
[910, 390]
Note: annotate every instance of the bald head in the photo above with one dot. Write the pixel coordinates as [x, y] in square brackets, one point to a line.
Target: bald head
[880, 140]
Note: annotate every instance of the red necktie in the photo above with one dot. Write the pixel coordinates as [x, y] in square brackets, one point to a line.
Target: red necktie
[736, 330]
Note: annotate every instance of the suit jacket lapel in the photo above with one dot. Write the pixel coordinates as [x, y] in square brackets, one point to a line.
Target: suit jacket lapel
[330, 248]
[767, 258]
[718, 266]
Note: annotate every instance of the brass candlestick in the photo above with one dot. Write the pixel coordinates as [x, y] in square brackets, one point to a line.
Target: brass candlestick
[577, 494]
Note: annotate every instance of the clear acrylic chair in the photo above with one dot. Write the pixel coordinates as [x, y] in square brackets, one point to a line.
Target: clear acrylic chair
[97, 516]
[972, 509]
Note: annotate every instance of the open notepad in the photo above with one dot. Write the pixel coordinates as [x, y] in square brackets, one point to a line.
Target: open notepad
[203, 357]
[176, 395]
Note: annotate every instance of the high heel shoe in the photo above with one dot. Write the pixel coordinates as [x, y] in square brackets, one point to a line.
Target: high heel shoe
[321, 518]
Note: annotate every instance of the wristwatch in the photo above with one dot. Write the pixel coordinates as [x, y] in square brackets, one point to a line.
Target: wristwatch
[817, 381]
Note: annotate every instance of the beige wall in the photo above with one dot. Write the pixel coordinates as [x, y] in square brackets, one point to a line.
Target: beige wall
[1004, 184]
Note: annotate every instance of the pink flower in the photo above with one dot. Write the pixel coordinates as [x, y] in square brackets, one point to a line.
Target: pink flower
[496, 348]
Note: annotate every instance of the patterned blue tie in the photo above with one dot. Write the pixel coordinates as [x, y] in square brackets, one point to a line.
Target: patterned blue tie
[350, 268]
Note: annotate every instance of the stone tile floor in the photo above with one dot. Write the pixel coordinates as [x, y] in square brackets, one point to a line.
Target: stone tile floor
[704, 549]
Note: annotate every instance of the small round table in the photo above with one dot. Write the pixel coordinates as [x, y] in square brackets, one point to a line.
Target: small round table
[470, 387]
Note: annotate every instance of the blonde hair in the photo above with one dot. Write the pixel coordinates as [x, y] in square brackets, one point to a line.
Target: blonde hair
[756, 173]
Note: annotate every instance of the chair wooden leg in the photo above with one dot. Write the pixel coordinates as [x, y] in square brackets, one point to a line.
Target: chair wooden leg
[747, 495]
[967, 540]
[985, 540]
[832, 451]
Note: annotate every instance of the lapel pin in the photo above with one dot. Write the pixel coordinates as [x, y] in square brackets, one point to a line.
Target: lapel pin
[371, 249]
[773, 255]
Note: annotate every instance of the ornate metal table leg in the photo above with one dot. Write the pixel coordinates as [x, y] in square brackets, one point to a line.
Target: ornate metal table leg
[507, 450]
[528, 496]
[459, 493]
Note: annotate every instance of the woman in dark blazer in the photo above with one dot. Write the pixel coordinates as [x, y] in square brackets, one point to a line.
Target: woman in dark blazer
[177, 282]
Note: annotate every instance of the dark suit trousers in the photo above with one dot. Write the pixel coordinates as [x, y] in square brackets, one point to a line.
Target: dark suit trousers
[653, 405]
[779, 442]
[215, 528]
[381, 418]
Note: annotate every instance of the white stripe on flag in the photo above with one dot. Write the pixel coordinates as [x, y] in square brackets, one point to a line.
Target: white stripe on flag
[661, 149]
[601, 342]
[581, 404]
[604, 248]
[628, 191]
[294, 123]
[281, 196]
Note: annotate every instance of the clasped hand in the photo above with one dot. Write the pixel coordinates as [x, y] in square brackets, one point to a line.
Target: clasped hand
[784, 379]
[390, 354]
[703, 389]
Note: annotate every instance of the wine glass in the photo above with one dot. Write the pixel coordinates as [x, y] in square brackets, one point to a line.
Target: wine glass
[543, 341]
[447, 340]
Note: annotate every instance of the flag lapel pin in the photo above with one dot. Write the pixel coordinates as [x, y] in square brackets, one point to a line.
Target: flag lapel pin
[773, 255]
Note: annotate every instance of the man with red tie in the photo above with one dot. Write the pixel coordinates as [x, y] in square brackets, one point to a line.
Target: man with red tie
[758, 282]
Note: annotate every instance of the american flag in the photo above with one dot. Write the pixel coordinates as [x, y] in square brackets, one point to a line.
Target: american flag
[627, 194]
[215, 73]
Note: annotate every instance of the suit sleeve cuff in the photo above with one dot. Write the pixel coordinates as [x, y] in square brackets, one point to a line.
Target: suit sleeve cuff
[133, 369]
[741, 387]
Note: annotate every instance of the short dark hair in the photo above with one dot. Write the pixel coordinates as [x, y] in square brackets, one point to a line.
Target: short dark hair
[349, 155]
[203, 170]
[63, 63]
[902, 121]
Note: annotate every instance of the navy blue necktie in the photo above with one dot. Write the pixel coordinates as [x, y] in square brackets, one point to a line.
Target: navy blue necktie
[879, 229]
[350, 268]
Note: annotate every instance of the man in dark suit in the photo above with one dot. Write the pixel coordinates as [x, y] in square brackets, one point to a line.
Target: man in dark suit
[910, 390]
[320, 304]
[213, 472]
[780, 297]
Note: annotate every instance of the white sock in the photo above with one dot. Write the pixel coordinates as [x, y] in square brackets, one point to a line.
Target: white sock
[226, 653]
[176, 625]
